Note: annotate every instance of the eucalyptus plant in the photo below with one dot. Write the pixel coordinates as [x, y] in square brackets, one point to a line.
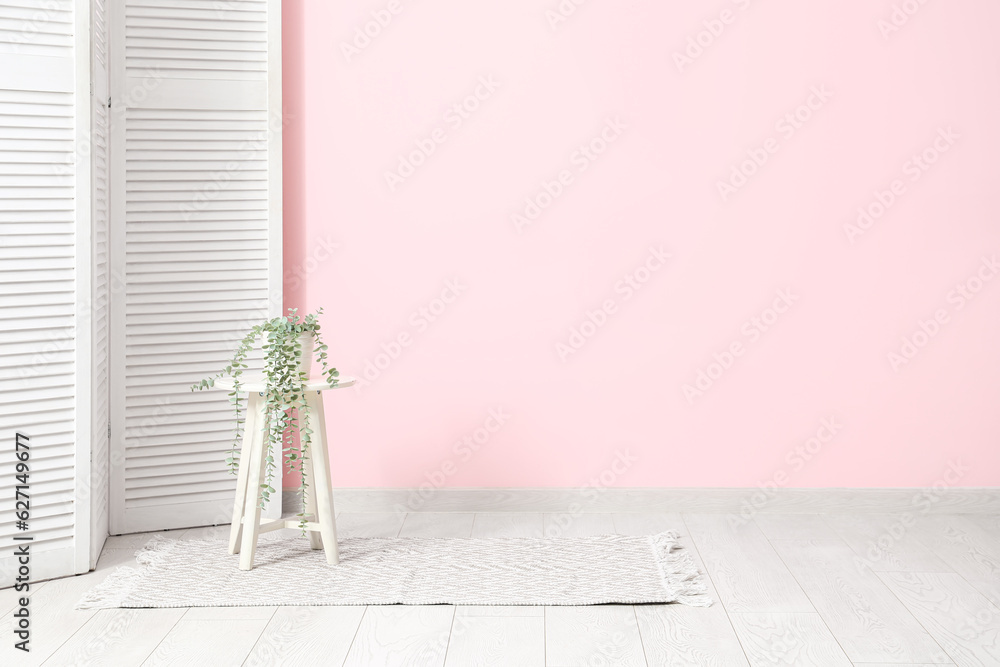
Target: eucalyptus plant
[285, 412]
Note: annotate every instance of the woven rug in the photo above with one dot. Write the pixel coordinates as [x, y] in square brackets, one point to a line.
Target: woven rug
[408, 570]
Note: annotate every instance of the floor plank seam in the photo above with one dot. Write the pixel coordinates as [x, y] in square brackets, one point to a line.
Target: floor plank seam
[826, 624]
[718, 598]
[257, 641]
[355, 637]
[72, 634]
[165, 635]
[638, 628]
[922, 626]
[451, 632]
[545, 637]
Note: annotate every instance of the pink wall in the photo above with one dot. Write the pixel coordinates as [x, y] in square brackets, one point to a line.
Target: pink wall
[769, 267]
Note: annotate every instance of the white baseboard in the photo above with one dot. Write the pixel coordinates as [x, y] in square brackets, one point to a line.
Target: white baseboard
[45, 565]
[709, 500]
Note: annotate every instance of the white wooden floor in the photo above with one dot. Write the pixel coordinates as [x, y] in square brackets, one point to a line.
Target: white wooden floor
[797, 590]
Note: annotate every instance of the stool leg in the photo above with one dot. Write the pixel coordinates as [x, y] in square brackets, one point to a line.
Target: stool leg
[315, 540]
[250, 426]
[251, 513]
[322, 486]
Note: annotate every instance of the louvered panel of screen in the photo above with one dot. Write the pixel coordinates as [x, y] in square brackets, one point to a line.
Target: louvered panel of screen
[38, 312]
[197, 275]
[198, 208]
[197, 39]
[37, 28]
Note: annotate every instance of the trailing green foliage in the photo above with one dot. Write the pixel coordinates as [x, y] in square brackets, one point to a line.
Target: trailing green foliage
[285, 412]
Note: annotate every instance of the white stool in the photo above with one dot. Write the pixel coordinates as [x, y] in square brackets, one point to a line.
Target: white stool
[247, 524]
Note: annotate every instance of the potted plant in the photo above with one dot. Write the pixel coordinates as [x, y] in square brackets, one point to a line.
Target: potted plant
[289, 344]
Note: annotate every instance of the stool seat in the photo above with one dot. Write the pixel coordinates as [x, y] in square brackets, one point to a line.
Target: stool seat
[247, 524]
[258, 384]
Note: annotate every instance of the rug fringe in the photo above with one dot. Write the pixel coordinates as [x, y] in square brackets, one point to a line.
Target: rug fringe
[154, 552]
[684, 581]
[117, 586]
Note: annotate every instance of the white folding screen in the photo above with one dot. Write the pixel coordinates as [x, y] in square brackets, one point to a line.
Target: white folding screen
[196, 228]
[45, 280]
[140, 212]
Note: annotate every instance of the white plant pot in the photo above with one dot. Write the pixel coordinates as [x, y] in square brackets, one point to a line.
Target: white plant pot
[307, 342]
